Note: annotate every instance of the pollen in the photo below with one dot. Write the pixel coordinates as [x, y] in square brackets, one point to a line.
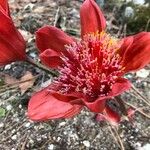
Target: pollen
[91, 66]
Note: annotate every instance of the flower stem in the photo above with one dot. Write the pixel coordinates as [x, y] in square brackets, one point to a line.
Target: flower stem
[40, 66]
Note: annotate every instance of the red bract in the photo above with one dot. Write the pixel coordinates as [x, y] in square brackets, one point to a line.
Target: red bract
[12, 44]
[91, 70]
[109, 115]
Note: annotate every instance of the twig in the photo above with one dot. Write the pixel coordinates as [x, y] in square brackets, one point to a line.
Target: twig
[119, 139]
[72, 31]
[141, 96]
[4, 91]
[13, 133]
[40, 66]
[25, 141]
[9, 99]
[110, 129]
[9, 128]
[147, 25]
[116, 136]
[7, 115]
[56, 16]
[137, 110]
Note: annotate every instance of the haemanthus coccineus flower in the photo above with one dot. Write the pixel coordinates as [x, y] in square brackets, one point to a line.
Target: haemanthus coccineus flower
[91, 70]
[12, 44]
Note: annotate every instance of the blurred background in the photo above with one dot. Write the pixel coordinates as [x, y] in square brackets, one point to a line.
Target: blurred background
[132, 15]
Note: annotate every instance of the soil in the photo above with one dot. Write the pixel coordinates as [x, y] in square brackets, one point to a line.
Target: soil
[82, 132]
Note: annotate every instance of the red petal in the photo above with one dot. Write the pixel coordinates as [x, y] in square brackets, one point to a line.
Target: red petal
[130, 113]
[136, 51]
[120, 86]
[4, 7]
[112, 116]
[109, 115]
[49, 37]
[73, 98]
[51, 58]
[99, 117]
[43, 106]
[12, 44]
[98, 105]
[78, 98]
[92, 18]
[126, 43]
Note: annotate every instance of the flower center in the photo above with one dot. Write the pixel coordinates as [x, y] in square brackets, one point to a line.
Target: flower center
[91, 66]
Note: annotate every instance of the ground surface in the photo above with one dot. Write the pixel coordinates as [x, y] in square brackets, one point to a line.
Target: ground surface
[82, 132]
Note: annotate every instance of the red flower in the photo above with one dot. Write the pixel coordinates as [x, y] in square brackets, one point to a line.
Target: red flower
[12, 44]
[91, 70]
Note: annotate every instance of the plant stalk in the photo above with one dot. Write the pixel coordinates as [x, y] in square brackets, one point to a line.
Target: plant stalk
[40, 66]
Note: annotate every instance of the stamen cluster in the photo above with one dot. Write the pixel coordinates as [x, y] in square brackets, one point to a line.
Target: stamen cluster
[91, 66]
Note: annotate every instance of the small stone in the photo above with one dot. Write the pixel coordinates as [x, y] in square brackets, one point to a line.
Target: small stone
[65, 133]
[136, 130]
[8, 107]
[16, 119]
[14, 137]
[58, 139]
[131, 137]
[27, 124]
[145, 147]
[31, 141]
[7, 67]
[143, 73]
[20, 106]
[54, 138]
[86, 143]
[44, 136]
[1, 125]
[38, 138]
[62, 124]
[51, 147]
[13, 131]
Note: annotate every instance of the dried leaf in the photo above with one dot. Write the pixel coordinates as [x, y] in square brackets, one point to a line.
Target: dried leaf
[29, 78]
[9, 80]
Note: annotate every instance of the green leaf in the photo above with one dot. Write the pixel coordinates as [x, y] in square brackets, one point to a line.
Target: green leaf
[2, 112]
